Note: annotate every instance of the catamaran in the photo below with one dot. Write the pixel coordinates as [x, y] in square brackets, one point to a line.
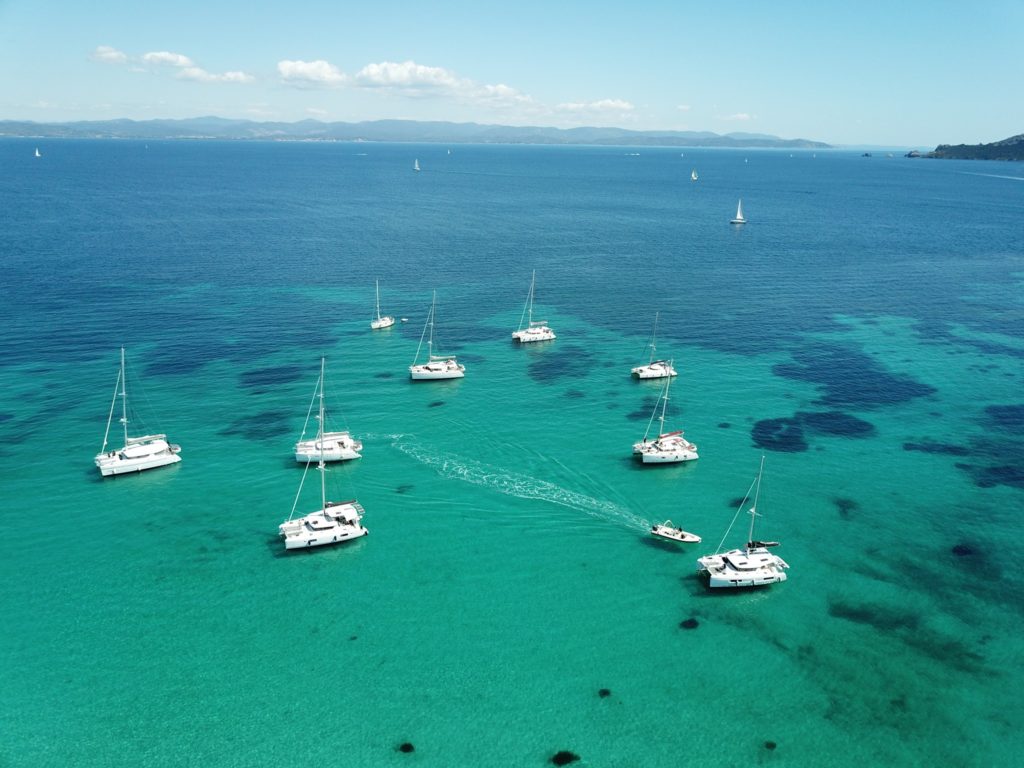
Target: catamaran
[334, 522]
[326, 446]
[437, 366]
[535, 330]
[751, 566]
[385, 321]
[655, 369]
[138, 453]
[667, 447]
[739, 214]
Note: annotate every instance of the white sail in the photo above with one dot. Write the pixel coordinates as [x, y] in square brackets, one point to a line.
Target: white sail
[739, 214]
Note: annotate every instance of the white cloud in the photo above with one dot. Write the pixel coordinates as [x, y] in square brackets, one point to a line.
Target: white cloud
[602, 106]
[684, 107]
[202, 76]
[109, 55]
[316, 112]
[407, 75]
[311, 73]
[740, 116]
[168, 58]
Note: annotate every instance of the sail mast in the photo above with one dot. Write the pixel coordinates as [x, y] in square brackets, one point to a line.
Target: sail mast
[664, 406]
[378, 299]
[533, 282]
[124, 399]
[757, 495]
[320, 443]
[654, 335]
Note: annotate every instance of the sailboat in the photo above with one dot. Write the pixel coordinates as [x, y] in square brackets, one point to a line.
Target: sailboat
[739, 214]
[655, 369]
[381, 322]
[416, 164]
[37, 152]
[437, 366]
[138, 453]
[751, 566]
[535, 330]
[693, 175]
[326, 446]
[335, 521]
[667, 447]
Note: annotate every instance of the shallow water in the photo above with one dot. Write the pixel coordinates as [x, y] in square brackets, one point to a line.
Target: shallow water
[864, 330]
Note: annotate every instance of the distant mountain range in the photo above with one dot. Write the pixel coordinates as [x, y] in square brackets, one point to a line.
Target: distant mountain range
[1007, 149]
[388, 130]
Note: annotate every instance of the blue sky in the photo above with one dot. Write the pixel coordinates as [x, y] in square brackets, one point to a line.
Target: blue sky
[898, 73]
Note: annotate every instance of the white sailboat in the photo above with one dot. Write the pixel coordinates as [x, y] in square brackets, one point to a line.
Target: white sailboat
[333, 523]
[385, 321]
[37, 152]
[667, 447]
[674, 533]
[416, 164]
[655, 369]
[693, 175]
[437, 366]
[739, 214]
[751, 566]
[138, 453]
[326, 446]
[535, 330]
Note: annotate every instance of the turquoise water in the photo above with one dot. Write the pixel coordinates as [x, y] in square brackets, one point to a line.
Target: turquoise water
[864, 331]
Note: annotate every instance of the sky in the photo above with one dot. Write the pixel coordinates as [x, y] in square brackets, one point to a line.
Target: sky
[901, 74]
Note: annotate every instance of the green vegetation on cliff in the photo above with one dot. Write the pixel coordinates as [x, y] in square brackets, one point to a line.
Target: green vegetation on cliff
[1007, 149]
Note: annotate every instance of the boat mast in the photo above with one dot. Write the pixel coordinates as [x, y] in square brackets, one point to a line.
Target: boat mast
[124, 399]
[664, 404]
[378, 299]
[320, 443]
[753, 509]
[654, 335]
[430, 341]
[533, 282]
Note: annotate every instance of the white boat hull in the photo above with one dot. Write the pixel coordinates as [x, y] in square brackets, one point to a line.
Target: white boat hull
[667, 457]
[335, 446]
[433, 372]
[667, 449]
[384, 322]
[335, 524]
[740, 568]
[137, 457]
[667, 531]
[657, 370]
[530, 335]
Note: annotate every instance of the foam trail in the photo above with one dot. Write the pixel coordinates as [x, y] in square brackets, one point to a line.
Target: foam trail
[520, 486]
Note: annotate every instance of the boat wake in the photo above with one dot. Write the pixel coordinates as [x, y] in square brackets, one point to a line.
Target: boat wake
[511, 484]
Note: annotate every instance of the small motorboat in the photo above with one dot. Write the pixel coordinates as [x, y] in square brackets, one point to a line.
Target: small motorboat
[668, 531]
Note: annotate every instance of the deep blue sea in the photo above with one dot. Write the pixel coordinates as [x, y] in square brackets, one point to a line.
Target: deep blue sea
[864, 331]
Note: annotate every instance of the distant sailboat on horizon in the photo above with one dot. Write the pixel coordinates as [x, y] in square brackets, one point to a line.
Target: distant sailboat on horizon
[416, 165]
[693, 175]
[739, 214]
[38, 153]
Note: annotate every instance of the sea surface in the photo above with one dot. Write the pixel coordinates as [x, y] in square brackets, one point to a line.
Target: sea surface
[864, 332]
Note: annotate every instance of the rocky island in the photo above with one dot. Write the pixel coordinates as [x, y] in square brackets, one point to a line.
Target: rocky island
[1007, 149]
